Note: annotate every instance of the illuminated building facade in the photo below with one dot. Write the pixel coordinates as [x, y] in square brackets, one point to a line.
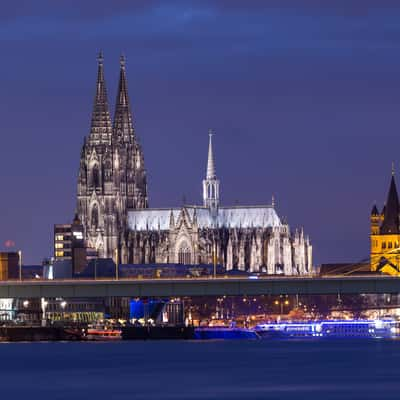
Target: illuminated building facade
[9, 265]
[7, 309]
[112, 177]
[385, 234]
[62, 242]
[113, 207]
[69, 244]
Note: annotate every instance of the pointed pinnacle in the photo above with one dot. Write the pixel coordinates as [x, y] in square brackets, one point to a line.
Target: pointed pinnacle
[100, 57]
[122, 61]
[210, 162]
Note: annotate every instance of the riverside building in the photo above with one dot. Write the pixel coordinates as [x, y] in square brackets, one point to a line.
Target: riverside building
[385, 234]
[9, 265]
[69, 244]
[112, 204]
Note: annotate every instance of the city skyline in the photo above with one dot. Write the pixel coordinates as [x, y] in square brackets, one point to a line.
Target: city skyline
[301, 118]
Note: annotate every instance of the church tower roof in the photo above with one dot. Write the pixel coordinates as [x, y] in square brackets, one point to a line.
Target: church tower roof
[211, 183]
[123, 125]
[210, 162]
[374, 210]
[101, 127]
[390, 223]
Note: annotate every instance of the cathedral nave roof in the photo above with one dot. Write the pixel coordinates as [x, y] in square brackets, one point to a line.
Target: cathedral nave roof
[229, 217]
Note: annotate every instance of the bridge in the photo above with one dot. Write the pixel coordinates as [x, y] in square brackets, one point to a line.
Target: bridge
[219, 286]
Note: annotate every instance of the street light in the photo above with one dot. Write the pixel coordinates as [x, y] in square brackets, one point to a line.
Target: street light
[215, 259]
[20, 264]
[63, 304]
[219, 309]
[25, 303]
[116, 263]
[281, 303]
[44, 304]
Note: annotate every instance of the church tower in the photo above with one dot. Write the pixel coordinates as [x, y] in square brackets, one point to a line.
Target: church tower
[385, 234]
[112, 177]
[211, 183]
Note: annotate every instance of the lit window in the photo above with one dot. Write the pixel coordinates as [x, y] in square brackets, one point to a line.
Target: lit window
[58, 246]
[78, 235]
[59, 237]
[59, 253]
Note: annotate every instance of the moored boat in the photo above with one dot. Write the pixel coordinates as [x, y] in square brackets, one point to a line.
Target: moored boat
[14, 333]
[344, 329]
[99, 333]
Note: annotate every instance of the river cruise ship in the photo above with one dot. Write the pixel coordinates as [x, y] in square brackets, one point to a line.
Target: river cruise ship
[329, 329]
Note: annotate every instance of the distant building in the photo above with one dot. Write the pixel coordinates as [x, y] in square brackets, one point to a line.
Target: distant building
[7, 309]
[112, 204]
[385, 234]
[69, 244]
[9, 265]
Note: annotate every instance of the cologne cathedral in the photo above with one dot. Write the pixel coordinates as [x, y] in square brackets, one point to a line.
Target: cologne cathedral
[113, 207]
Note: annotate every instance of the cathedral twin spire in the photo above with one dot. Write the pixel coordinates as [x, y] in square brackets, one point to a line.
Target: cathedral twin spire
[101, 130]
[123, 126]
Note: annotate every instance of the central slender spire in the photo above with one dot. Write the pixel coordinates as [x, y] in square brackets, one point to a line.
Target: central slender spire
[101, 127]
[123, 125]
[211, 183]
[210, 162]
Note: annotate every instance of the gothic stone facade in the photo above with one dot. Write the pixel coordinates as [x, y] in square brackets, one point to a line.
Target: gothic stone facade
[245, 238]
[112, 177]
[112, 205]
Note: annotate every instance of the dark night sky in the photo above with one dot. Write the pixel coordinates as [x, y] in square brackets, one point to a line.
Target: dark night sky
[304, 99]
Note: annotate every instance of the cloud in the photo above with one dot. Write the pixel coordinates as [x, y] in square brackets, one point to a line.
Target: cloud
[220, 34]
[255, 25]
[67, 9]
[100, 9]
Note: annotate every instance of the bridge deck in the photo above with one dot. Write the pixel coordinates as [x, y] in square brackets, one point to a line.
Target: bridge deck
[199, 287]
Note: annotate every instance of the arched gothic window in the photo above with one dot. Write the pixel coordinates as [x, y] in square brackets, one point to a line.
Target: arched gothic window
[95, 176]
[107, 170]
[184, 254]
[95, 217]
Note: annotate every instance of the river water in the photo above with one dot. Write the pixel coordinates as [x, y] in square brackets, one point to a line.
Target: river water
[365, 369]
